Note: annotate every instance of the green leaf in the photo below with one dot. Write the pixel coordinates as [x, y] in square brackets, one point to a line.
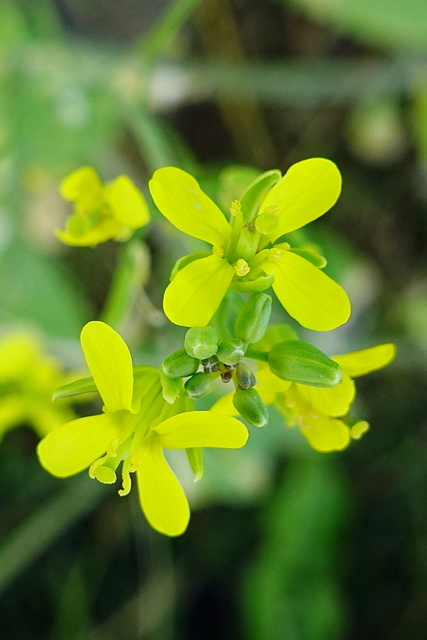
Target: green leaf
[302, 362]
[395, 25]
[42, 293]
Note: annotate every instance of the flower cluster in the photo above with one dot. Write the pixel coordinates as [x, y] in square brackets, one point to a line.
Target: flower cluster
[246, 254]
[146, 410]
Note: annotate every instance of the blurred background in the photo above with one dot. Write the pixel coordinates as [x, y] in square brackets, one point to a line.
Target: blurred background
[284, 543]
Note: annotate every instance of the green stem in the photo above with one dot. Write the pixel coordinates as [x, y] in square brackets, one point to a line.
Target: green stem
[257, 355]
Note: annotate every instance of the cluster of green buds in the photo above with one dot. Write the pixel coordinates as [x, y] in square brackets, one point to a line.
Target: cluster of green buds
[206, 357]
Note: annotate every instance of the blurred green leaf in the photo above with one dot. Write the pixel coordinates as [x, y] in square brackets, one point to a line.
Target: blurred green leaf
[34, 289]
[394, 25]
[38, 531]
[291, 589]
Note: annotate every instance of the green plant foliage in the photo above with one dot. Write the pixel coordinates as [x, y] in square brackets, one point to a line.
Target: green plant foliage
[393, 25]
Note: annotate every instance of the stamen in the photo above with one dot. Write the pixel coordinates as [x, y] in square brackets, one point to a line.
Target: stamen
[268, 220]
[235, 207]
[217, 251]
[127, 482]
[101, 472]
[274, 254]
[241, 267]
[358, 429]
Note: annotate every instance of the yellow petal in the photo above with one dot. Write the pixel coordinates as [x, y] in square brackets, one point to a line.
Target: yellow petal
[127, 203]
[225, 405]
[359, 363]
[178, 196]
[202, 429]
[161, 496]
[325, 434]
[73, 446]
[19, 353]
[84, 187]
[335, 401]
[197, 290]
[308, 294]
[269, 385]
[92, 237]
[306, 192]
[110, 364]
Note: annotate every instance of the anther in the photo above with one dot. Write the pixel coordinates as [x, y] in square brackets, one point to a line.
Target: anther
[241, 267]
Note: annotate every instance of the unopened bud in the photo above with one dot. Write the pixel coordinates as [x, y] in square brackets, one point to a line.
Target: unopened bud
[201, 342]
[211, 365]
[253, 317]
[300, 361]
[250, 406]
[230, 351]
[199, 385]
[245, 376]
[180, 365]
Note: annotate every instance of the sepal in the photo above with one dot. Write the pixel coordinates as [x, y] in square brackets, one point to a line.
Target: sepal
[251, 286]
[231, 351]
[201, 342]
[199, 385]
[171, 387]
[195, 458]
[76, 388]
[180, 365]
[256, 192]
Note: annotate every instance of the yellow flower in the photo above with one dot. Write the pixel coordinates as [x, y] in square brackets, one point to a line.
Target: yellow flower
[137, 424]
[101, 212]
[244, 255]
[28, 378]
[320, 414]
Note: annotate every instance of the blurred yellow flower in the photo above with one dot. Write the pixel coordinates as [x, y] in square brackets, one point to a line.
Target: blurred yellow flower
[28, 377]
[101, 212]
[244, 254]
[137, 424]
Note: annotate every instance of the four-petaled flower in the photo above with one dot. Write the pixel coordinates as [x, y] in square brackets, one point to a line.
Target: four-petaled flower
[101, 212]
[245, 253]
[320, 414]
[137, 424]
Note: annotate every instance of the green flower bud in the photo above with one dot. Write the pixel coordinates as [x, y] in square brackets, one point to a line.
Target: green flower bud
[245, 376]
[250, 406]
[300, 361]
[201, 342]
[253, 317]
[180, 365]
[199, 385]
[230, 351]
